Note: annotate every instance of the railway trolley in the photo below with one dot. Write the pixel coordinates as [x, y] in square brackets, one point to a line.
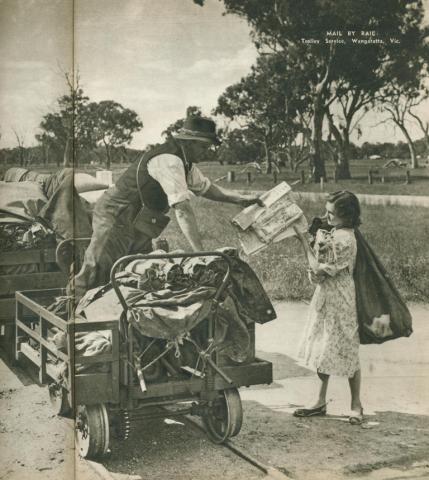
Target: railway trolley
[110, 393]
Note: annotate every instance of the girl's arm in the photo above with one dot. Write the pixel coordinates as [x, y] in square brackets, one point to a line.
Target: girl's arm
[311, 257]
[341, 251]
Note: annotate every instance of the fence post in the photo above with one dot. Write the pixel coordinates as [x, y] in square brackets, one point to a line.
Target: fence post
[370, 177]
[231, 177]
[302, 177]
[321, 183]
[249, 177]
[407, 177]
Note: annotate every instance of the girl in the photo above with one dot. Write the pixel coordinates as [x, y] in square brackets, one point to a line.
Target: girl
[330, 344]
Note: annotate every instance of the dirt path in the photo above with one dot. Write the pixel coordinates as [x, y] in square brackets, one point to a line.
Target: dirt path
[395, 393]
[34, 443]
[392, 444]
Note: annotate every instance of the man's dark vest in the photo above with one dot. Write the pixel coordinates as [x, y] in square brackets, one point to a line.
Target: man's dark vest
[151, 191]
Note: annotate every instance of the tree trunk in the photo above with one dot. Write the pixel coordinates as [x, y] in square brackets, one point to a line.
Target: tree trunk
[108, 159]
[413, 157]
[75, 154]
[343, 166]
[123, 156]
[267, 157]
[427, 145]
[46, 155]
[341, 152]
[66, 158]
[317, 164]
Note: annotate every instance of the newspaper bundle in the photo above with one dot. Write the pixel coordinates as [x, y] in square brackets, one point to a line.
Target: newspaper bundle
[260, 226]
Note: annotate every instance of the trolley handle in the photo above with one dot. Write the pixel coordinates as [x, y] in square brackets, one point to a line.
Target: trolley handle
[158, 256]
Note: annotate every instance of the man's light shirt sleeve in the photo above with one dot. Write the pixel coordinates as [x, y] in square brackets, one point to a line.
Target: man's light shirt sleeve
[168, 170]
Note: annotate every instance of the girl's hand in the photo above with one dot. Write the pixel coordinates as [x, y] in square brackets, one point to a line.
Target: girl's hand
[300, 236]
[311, 257]
[316, 277]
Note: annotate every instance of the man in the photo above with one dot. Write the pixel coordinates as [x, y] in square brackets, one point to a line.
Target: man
[130, 214]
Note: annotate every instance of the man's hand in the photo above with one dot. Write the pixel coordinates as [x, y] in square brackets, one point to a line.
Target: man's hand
[247, 200]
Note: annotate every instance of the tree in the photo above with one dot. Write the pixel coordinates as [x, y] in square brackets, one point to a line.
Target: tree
[45, 143]
[406, 87]
[261, 104]
[354, 100]
[238, 147]
[424, 126]
[112, 125]
[279, 25]
[398, 104]
[68, 130]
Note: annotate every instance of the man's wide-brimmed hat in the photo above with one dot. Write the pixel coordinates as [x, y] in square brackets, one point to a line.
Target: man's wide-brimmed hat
[200, 129]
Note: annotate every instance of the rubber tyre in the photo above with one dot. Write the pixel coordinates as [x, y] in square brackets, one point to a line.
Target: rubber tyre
[92, 431]
[225, 418]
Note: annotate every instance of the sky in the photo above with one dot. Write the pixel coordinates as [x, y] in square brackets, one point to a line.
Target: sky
[156, 57]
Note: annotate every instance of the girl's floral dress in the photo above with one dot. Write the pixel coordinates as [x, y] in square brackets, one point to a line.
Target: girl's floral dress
[330, 343]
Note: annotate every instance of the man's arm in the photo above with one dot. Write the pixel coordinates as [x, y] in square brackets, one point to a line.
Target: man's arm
[187, 223]
[218, 194]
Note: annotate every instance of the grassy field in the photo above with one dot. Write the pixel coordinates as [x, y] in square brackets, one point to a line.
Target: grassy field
[397, 234]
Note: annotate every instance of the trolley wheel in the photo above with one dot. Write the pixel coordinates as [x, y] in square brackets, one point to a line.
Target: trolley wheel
[58, 399]
[225, 417]
[92, 430]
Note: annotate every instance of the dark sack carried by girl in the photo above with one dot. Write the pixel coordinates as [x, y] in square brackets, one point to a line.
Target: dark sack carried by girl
[378, 301]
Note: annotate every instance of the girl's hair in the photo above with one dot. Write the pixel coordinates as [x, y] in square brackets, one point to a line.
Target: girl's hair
[347, 208]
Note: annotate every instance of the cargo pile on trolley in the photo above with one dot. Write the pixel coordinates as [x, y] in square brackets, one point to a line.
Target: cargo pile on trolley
[171, 334]
[27, 260]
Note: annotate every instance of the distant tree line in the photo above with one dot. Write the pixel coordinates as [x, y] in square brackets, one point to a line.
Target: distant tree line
[27, 157]
[239, 146]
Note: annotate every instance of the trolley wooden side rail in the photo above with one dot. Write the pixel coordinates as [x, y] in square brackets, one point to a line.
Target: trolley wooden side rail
[51, 268]
[33, 321]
